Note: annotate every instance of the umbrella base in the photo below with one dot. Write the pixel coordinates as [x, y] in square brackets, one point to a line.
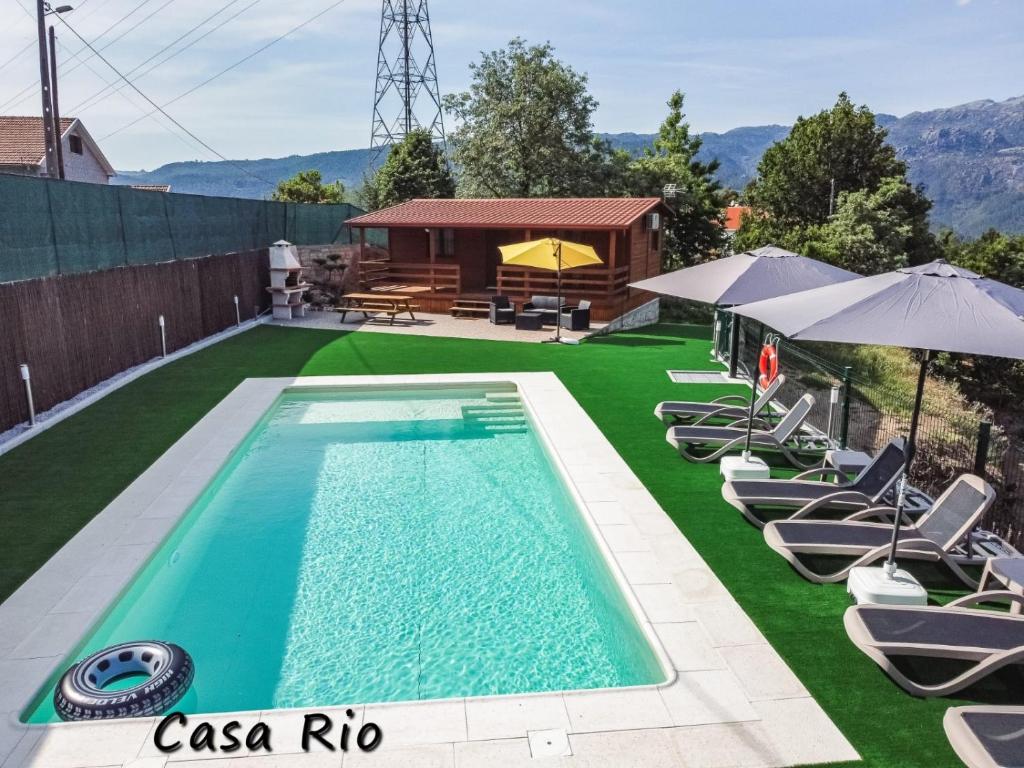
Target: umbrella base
[744, 468]
[873, 586]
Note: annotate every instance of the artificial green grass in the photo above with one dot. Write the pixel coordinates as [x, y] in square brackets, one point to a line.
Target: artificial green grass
[55, 483]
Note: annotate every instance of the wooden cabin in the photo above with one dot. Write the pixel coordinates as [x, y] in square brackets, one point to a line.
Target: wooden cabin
[451, 247]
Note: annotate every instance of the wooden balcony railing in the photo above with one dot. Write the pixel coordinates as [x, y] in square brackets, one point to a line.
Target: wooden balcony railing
[440, 278]
[583, 284]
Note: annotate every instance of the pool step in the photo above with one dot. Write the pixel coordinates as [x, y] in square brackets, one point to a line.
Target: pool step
[495, 421]
[502, 416]
[503, 397]
[482, 410]
[500, 421]
[506, 429]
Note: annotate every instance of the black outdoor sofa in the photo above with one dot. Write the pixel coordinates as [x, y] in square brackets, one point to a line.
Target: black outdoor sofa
[574, 318]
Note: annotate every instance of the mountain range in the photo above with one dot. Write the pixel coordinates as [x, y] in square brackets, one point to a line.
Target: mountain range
[969, 158]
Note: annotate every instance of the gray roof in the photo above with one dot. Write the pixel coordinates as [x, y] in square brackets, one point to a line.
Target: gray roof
[935, 306]
[749, 276]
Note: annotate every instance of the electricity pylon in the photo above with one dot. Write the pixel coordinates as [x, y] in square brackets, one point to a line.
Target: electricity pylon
[406, 73]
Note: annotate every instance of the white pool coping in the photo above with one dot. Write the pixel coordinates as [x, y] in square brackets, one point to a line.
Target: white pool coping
[729, 699]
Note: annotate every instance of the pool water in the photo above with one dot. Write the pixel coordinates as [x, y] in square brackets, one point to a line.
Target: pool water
[381, 545]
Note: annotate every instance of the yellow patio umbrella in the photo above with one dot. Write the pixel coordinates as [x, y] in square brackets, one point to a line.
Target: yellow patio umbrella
[552, 254]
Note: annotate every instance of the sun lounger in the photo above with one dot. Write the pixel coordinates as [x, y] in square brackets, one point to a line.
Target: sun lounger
[985, 736]
[957, 631]
[726, 408]
[784, 438]
[932, 537]
[809, 497]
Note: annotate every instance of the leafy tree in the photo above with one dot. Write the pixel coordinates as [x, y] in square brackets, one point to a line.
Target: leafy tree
[842, 146]
[994, 255]
[415, 168]
[525, 127]
[870, 232]
[368, 193]
[994, 381]
[694, 234]
[308, 187]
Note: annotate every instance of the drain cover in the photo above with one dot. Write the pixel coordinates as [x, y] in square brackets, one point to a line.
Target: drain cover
[698, 377]
[551, 743]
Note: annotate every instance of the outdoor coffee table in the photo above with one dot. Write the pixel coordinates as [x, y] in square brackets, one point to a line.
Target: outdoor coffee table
[1008, 571]
[529, 321]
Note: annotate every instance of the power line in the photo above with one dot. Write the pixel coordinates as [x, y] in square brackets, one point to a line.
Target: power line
[17, 55]
[104, 93]
[26, 10]
[191, 145]
[160, 109]
[26, 92]
[224, 71]
[171, 44]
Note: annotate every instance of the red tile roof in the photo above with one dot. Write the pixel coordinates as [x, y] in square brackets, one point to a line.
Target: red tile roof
[21, 139]
[514, 213]
[734, 217]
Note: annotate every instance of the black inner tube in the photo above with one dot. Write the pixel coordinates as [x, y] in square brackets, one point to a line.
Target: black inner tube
[165, 671]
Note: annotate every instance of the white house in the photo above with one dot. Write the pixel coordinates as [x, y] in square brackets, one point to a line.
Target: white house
[23, 150]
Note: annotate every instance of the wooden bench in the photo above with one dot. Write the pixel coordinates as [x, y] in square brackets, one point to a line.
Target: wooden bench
[464, 307]
[459, 311]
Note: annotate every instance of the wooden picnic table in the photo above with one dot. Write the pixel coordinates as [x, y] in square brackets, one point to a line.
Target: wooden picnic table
[401, 289]
[390, 304]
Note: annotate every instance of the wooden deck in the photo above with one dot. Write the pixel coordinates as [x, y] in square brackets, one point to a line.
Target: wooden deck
[600, 311]
[439, 286]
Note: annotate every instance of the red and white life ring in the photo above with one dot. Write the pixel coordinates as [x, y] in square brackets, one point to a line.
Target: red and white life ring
[768, 365]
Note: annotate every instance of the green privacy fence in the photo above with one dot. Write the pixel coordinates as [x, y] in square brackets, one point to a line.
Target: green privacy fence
[50, 227]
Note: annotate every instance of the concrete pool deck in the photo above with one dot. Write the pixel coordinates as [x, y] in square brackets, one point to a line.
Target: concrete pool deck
[731, 700]
[427, 324]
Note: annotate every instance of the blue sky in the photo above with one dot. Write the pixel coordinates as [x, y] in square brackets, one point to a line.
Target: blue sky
[745, 62]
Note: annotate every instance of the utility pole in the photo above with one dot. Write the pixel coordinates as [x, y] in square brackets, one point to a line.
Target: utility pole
[58, 140]
[44, 84]
[831, 196]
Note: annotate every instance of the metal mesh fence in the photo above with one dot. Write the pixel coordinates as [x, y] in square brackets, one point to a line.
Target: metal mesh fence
[953, 438]
[50, 227]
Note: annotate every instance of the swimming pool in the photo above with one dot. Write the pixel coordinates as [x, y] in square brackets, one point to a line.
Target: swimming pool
[369, 545]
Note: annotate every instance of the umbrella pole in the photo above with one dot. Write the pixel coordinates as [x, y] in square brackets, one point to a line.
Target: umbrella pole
[753, 401]
[558, 299]
[890, 563]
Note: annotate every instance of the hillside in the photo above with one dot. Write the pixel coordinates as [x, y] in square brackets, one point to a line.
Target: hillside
[225, 179]
[970, 159]
[737, 150]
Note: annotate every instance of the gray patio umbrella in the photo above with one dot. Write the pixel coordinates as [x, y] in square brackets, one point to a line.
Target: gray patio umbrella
[755, 275]
[934, 308]
[745, 277]
[764, 273]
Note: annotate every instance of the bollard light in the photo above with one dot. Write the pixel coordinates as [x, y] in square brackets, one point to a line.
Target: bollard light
[238, 313]
[163, 336]
[26, 376]
[833, 404]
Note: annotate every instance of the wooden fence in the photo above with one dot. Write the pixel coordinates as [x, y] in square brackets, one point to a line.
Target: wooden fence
[77, 330]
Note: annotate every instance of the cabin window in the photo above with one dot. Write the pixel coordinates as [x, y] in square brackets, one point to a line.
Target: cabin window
[444, 241]
[75, 144]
